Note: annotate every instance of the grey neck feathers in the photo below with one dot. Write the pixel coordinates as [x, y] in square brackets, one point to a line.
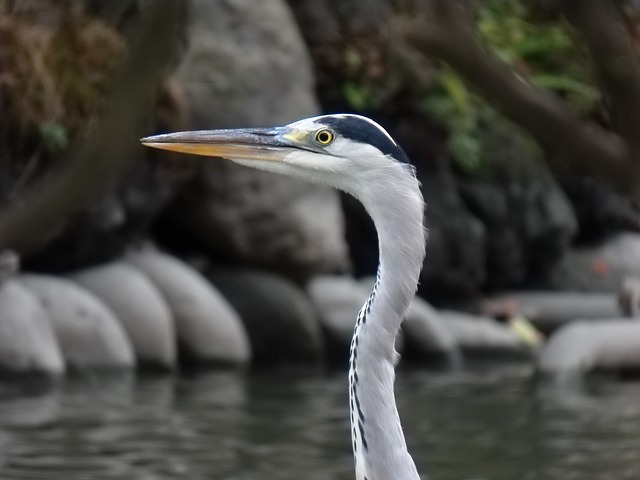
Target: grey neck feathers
[379, 446]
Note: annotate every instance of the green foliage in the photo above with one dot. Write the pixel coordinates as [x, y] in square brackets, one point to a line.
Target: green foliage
[54, 136]
[360, 88]
[460, 112]
[53, 79]
[359, 97]
[478, 137]
[540, 52]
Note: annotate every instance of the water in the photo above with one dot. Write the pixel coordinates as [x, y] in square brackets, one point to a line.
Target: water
[497, 424]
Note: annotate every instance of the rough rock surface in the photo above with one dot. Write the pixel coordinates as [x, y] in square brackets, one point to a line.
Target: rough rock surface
[629, 297]
[600, 210]
[582, 347]
[599, 268]
[456, 250]
[265, 220]
[426, 338]
[482, 336]
[9, 264]
[247, 66]
[139, 307]
[529, 221]
[208, 329]
[549, 310]
[282, 324]
[27, 341]
[103, 231]
[338, 300]
[88, 333]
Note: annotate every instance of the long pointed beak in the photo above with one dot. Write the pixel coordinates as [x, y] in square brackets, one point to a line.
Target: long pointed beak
[245, 143]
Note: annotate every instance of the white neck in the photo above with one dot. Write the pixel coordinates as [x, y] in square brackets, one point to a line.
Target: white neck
[397, 209]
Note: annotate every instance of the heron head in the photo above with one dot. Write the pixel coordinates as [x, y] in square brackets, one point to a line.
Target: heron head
[342, 151]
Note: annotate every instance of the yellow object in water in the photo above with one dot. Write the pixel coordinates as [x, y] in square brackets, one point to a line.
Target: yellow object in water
[525, 330]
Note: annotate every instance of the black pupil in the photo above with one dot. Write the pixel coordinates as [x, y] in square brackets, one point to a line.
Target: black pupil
[324, 137]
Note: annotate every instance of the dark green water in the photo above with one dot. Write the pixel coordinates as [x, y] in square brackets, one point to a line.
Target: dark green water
[494, 424]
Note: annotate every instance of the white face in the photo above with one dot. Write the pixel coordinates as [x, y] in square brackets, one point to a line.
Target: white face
[325, 156]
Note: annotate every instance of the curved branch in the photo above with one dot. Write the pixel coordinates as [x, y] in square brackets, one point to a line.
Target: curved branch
[96, 161]
[575, 145]
[615, 62]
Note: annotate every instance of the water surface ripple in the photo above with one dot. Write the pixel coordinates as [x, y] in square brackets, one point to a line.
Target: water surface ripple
[497, 424]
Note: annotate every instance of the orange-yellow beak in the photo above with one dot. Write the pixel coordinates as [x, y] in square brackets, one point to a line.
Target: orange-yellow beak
[246, 143]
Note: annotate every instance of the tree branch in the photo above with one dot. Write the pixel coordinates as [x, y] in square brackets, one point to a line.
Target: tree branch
[112, 143]
[576, 146]
[615, 61]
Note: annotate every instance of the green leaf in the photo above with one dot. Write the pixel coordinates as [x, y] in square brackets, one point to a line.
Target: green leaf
[358, 97]
[54, 135]
[456, 90]
[465, 150]
[563, 83]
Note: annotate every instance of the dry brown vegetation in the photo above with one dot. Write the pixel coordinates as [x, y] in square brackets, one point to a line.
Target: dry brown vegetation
[53, 78]
[68, 63]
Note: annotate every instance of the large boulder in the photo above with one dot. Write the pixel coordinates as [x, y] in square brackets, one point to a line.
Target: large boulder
[528, 219]
[456, 257]
[140, 308]
[9, 264]
[599, 268]
[282, 323]
[601, 210]
[629, 297]
[208, 328]
[247, 66]
[483, 337]
[88, 333]
[102, 231]
[582, 347]
[427, 339]
[337, 300]
[27, 341]
[548, 310]
[261, 219]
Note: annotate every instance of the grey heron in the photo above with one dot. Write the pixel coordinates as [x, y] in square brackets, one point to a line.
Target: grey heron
[356, 155]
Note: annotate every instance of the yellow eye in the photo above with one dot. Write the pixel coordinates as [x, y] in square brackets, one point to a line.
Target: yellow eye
[324, 136]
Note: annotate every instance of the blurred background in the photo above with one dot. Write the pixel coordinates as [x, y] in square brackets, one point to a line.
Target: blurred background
[169, 316]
